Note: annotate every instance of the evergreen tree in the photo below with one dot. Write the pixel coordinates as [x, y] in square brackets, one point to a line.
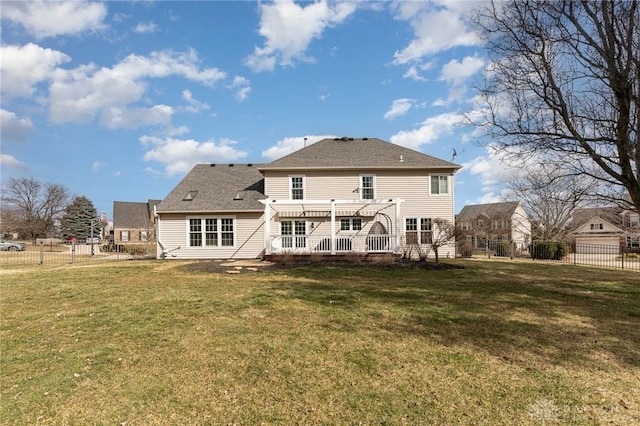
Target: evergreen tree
[77, 219]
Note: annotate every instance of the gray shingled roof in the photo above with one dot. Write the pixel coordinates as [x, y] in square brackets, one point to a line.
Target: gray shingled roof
[132, 214]
[613, 215]
[493, 211]
[217, 186]
[344, 153]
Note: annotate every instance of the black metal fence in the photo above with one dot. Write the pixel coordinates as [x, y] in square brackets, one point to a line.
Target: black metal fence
[60, 254]
[605, 256]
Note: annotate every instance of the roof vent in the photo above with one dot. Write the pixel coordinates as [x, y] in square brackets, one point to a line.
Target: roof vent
[249, 165]
[190, 196]
[212, 165]
[240, 195]
[344, 138]
[401, 158]
[365, 139]
[230, 165]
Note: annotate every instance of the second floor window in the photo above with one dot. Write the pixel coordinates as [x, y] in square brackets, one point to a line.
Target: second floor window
[297, 187]
[367, 191]
[439, 185]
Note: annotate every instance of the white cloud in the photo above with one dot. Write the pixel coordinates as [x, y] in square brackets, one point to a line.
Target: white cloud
[289, 28]
[398, 108]
[54, 18]
[13, 128]
[145, 28]
[491, 171]
[86, 92]
[97, 166]
[23, 67]
[180, 155]
[437, 26]
[10, 161]
[288, 145]
[430, 130]
[194, 106]
[456, 73]
[242, 86]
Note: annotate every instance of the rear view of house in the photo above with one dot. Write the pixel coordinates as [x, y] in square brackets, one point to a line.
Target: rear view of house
[336, 196]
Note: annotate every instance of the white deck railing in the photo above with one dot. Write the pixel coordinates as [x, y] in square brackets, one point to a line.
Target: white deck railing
[307, 244]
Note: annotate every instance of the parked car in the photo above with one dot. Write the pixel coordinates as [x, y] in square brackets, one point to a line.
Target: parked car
[11, 246]
[94, 240]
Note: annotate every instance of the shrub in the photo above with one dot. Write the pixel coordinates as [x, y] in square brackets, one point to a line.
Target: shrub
[552, 250]
[503, 249]
[465, 250]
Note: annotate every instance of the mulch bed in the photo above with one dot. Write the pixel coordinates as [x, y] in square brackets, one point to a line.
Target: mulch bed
[228, 267]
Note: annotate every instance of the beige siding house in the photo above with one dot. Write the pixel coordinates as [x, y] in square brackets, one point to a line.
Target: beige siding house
[598, 229]
[336, 196]
[480, 224]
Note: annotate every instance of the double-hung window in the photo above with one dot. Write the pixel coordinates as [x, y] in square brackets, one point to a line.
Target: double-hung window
[439, 185]
[367, 187]
[351, 224]
[297, 187]
[211, 232]
[418, 230]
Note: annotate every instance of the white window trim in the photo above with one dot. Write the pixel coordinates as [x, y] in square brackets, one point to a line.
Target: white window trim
[203, 231]
[304, 186]
[361, 188]
[438, 194]
[350, 219]
[418, 226]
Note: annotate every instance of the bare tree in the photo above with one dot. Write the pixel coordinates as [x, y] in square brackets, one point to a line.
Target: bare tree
[564, 80]
[549, 198]
[444, 232]
[36, 205]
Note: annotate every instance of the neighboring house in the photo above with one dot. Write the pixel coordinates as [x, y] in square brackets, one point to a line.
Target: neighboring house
[336, 196]
[134, 222]
[605, 226]
[480, 223]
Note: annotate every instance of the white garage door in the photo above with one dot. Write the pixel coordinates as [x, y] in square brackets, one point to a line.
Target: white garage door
[601, 245]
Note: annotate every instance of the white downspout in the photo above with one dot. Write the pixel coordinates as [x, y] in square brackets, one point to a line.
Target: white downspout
[333, 226]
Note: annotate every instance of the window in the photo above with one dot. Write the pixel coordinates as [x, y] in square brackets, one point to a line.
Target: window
[195, 232]
[297, 187]
[143, 236]
[293, 233]
[412, 236]
[464, 226]
[217, 232]
[439, 185]
[494, 224]
[634, 220]
[597, 226]
[124, 235]
[351, 224]
[367, 191]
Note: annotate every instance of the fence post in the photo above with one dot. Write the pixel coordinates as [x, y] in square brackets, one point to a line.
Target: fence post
[622, 258]
[73, 251]
[41, 252]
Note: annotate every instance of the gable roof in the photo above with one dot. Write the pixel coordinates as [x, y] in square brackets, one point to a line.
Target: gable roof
[215, 188]
[613, 215]
[357, 153]
[492, 211]
[132, 214]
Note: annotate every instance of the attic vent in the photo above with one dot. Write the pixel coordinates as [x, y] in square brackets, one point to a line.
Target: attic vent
[240, 195]
[190, 196]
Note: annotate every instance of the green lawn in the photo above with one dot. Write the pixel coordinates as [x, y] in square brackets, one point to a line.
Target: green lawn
[153, 342]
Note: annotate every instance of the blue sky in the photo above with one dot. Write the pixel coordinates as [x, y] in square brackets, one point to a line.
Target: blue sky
[118, 100]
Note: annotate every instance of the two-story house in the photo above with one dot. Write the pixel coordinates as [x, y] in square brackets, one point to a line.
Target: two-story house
[336, 196]
[594, 229]
[482, 223]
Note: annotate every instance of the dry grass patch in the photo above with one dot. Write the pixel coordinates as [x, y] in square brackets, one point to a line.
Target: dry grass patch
[156, 343]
